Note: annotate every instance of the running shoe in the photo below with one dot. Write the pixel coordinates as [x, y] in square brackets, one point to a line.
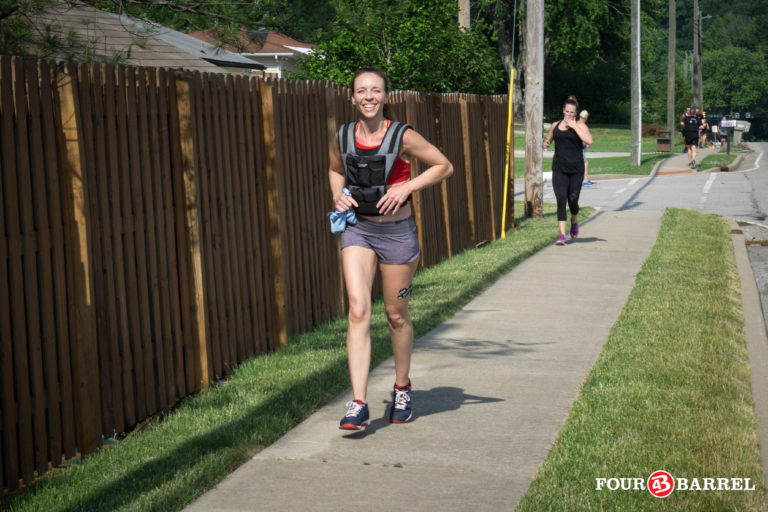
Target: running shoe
[588, 183]
[693, 164]
[561, 240]
[401, 411]
[574, 229]
[357, 417]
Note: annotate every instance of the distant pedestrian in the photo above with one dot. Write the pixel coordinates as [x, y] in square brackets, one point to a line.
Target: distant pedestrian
[371, 161]
[703, 130]
[583, 118]
[725, 131]
[686, 113]
[568, 165]
[690, 124]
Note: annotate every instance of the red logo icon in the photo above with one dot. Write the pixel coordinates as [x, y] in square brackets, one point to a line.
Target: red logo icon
[661, 484]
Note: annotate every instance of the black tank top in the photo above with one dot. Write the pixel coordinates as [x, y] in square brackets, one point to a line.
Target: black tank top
[569, 156]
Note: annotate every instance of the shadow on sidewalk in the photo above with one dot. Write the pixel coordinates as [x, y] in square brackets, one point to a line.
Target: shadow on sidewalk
[433, 401]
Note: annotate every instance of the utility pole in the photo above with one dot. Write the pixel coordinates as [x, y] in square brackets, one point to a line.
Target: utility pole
[534, 106]
[464, 20]
[637, 122]
[696, 86]
[671, 49]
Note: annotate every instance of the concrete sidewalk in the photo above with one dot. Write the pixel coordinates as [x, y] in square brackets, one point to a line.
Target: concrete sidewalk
[678, 163]
[492, 387]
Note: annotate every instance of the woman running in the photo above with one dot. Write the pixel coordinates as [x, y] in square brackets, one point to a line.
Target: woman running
[371, 162]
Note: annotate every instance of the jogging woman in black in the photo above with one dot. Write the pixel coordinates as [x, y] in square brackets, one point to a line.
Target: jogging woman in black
[568, 165]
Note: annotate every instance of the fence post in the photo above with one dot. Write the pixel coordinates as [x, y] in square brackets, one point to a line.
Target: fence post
[437, 103]
[465, 134]
[484, 105]
[84, 345]
[510, 220]
[193, 229]
[331, 92]
[279, 326]
[410, 117]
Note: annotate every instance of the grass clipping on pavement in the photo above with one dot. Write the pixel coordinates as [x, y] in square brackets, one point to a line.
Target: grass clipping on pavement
[670, 391]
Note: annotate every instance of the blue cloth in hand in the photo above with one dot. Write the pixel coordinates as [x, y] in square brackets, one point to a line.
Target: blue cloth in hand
[339, 220]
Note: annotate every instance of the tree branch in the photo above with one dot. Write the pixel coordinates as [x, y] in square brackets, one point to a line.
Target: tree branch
[9, 11]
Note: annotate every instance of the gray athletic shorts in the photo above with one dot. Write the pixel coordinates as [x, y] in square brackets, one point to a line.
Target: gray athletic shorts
[394, 243]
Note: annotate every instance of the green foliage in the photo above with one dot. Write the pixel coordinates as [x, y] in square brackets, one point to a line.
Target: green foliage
[737, 79]
[418, 44]
[17, 30]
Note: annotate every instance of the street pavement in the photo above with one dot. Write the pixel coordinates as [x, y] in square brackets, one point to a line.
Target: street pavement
[494, 384]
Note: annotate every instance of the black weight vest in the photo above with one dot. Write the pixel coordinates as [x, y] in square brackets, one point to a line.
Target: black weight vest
[367, 174]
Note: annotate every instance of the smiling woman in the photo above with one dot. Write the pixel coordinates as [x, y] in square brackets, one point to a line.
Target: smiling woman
[371, 160]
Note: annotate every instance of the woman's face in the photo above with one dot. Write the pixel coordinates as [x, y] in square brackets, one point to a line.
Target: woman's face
[569, 111]
[369, 95]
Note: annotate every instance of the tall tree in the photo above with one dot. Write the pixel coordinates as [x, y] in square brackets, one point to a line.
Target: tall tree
[737, 80]
[504, 19]
[534, 106]
[418, 43]
[587, 56]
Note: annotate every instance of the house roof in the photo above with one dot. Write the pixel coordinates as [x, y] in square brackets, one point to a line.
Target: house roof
[265, 43]
[139, 43]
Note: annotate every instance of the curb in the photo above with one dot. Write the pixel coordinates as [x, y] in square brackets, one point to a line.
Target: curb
[733, 166]
[756, 340]
[659, 164]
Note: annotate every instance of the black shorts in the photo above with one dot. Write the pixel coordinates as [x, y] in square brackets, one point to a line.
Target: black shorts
[691, 139]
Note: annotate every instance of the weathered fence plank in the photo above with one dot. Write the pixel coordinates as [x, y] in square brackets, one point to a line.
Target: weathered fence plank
[82, 319]
[191, 206]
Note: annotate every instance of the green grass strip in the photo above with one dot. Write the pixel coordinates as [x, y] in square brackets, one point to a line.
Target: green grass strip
[718, 159]
[169, 463]
[670, 391]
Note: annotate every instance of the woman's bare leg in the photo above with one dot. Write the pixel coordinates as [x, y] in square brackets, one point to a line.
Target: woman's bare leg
[359, 266]
[396, 283]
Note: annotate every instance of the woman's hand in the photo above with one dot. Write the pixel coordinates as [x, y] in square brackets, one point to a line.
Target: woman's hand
[396, 195]
[343, 202]
[570, 122]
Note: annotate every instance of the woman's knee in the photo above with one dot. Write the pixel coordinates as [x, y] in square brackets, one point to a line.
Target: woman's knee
[359, 311]
[397, 317]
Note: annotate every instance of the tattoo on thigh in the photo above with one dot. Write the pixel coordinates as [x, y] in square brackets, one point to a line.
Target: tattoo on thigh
[405, 292]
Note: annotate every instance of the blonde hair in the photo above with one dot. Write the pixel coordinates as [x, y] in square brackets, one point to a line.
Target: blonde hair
[583, 114]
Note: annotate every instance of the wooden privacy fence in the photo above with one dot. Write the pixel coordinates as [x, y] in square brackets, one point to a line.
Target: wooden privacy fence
[159, 228]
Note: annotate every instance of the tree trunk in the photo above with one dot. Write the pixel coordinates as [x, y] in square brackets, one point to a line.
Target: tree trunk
[464, 14]
[696, 82]
[534, 106]
[671, 49]
[637, 122]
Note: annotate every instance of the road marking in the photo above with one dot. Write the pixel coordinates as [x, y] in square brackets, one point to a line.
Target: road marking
[709, 182]
[629, 185]
[757, 162]
[706, 188]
